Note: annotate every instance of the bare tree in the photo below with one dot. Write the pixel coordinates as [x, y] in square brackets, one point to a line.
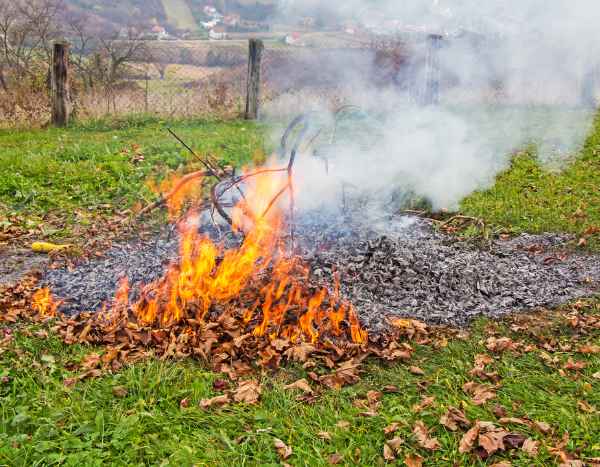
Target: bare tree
[27, 29]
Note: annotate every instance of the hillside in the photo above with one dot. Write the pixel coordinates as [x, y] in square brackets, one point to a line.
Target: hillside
[179, 14]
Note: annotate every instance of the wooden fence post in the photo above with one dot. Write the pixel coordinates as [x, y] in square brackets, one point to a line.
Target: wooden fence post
[61, 106]
[253, 92]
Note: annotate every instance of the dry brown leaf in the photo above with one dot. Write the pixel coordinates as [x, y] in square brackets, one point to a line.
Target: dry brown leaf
[468, 440]
[589, 349]
[374, 398]
[335, 459]
[388, 430]
[542, 427]
[218, 401]
[425, 403]
[299, 353]
[454, 418]
[480, 393]
[415, 370]
[596, 375]
[586, 407]
[388, 453]
[531, 447]
[301, 385]
[413, 460]
[502, 464]
[324, 435]
[395, 443]
[501, 344]
[248, 392]
[575, 366]
[421, 433]
[283, 450]
[492, 441]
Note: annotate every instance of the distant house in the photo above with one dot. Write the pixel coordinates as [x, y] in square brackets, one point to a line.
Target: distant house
[294, 38]
[210, 24]
[160, 33]
[218, 33]
[210, 11]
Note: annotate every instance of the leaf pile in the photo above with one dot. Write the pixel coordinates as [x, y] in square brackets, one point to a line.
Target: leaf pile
[225, 341]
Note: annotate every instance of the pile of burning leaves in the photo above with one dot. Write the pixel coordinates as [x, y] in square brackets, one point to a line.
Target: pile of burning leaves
[226, 340]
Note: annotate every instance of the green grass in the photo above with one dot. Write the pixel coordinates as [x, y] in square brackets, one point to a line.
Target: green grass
[59, 178]
[530, 198]
[44, 423]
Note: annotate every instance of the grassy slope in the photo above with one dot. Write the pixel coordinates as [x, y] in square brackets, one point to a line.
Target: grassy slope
[43, 423]
[528, 198]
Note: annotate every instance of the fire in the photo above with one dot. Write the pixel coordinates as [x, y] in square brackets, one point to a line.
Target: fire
[44, 304]
[257, 282]
[209, 277]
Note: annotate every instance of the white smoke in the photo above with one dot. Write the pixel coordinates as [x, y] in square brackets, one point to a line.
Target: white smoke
[539, 52]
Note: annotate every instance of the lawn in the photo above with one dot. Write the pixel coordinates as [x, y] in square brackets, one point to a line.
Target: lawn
[148, 413]
[56, 180]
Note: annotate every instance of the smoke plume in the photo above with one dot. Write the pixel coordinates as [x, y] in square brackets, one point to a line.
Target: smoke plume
[512, 75]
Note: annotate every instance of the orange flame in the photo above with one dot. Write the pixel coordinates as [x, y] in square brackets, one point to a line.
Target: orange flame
[44, 304]
[208, 278]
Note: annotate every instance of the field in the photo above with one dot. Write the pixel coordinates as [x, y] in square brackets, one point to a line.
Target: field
[68, 185]
[178, 13]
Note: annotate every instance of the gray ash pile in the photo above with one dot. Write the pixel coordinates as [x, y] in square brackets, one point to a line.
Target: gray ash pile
[399, 266]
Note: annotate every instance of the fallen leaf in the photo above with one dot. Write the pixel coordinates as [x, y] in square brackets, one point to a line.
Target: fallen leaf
[502, 464]
[492, 441]
[391, 389]
[299, 353]
[335, 459]
[480, 393]
[531, 447]
[586, 407]
[499, 411]
[590, 349]
[422, 436]
[575, 366]
[542, 427]
[395, 443]
[415, 370]
[514, 440]
[220, 385]
[214, 402]
[119, 391]
[388, 430]
[324, 435]
[425, 403]
[468, 440]
[596, 375]
[301, 385]
[248, 392]
[454, 418]
[413, 460]
[184, 403]
[284, 450]
[501, 344]
[388, 453]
